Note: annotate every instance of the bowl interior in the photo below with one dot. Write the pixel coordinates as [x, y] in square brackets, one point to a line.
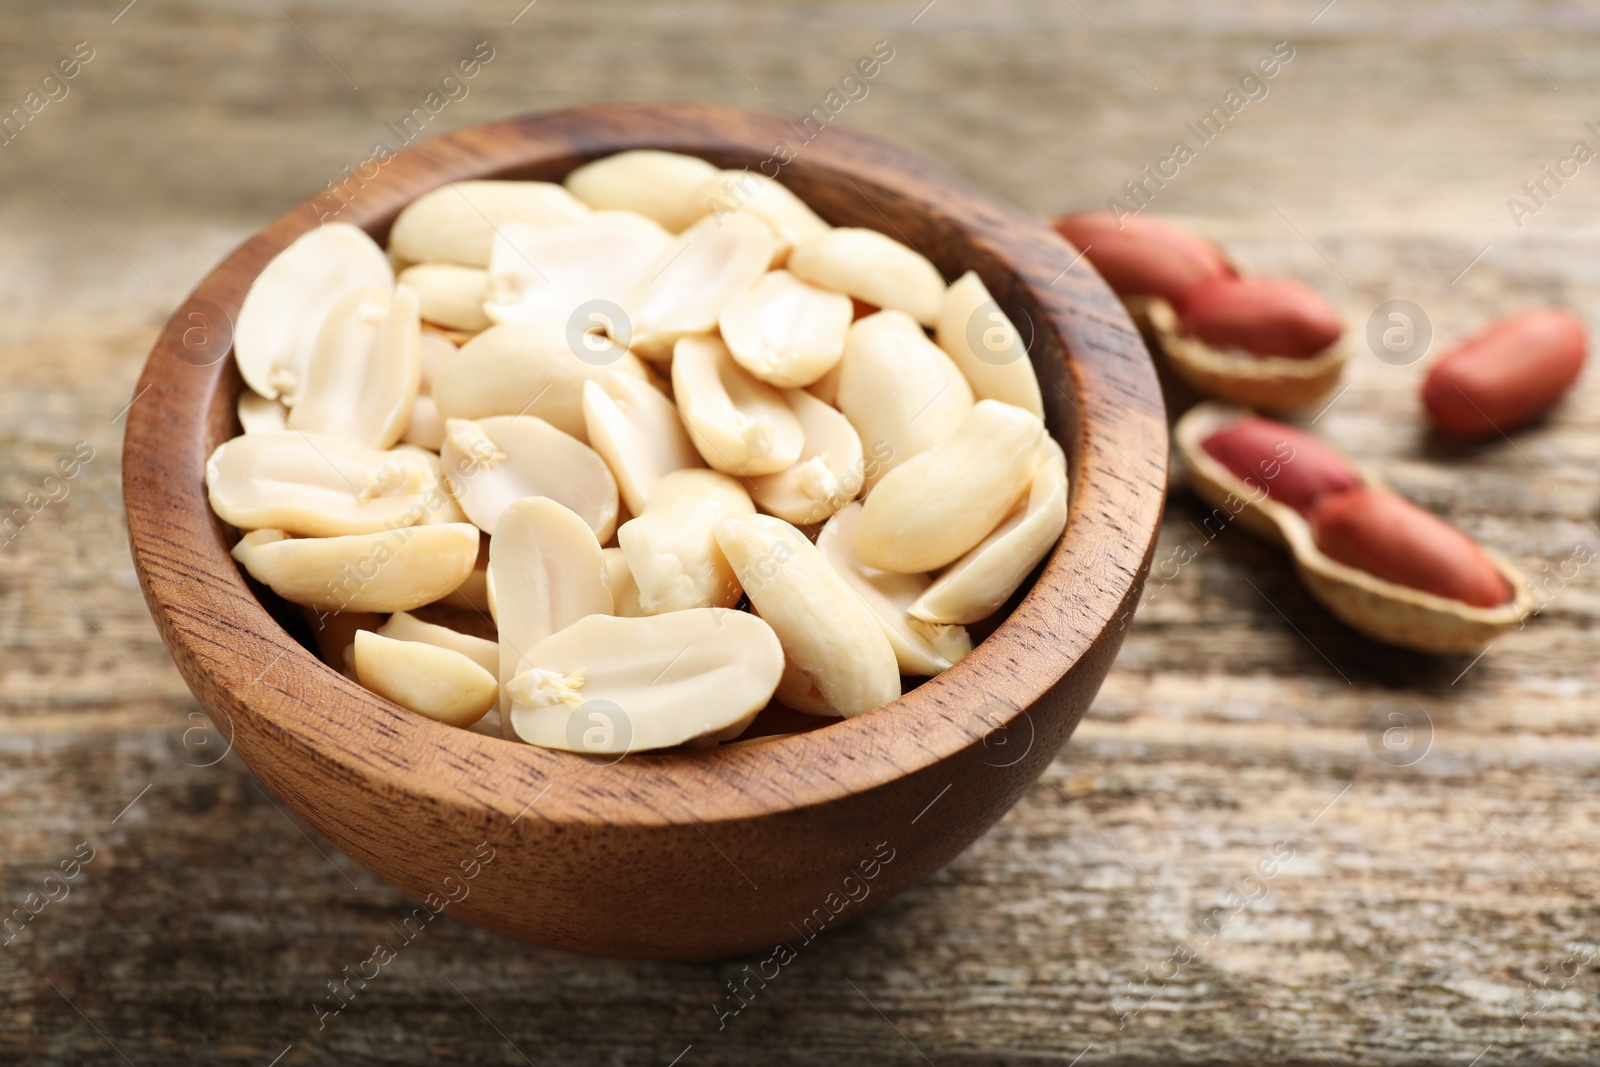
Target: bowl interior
[1102, 405]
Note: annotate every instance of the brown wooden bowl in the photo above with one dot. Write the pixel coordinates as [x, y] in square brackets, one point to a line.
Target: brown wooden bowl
[689, 855]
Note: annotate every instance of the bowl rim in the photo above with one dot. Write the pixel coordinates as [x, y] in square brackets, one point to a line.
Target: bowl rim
[251, 666]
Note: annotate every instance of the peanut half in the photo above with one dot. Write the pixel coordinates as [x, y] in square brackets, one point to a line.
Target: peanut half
[395, 570]
[403, 626]
[283, 311]
[978, 584]
[428, 679]
[784, 331]
[520, 369]
[361, 384]
[921, 648]
[990, 352]
[638, 433]
[548, 571]
[694, 277]
[624, 590]
[662, 186]
[257, 414]
[614, 685]
[449, 294]
[498, 461]
[869, 266]
[738, 424]
[827, 631]
[426, 428]
[581, 267]
[791, 220]
[899, 388]
[318, 486]
[671, 553]
[829, 472]
[456, 223]
[935, 507]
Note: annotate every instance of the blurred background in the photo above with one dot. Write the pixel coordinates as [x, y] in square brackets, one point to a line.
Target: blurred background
[1431, 906]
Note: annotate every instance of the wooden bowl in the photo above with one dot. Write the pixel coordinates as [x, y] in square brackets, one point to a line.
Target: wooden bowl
[686, 855]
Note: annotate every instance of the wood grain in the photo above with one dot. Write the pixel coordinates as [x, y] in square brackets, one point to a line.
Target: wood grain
[1416, 917]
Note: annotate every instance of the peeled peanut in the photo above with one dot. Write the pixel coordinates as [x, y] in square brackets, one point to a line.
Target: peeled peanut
[449, 294]
[426, 428]
[1141, 256]
[495, 462]
[938, 505]
[441, 506]
[395, 570]
[1387, 535]
[975, 586]
[614, 685]
[257, 414]
[739, 425]
[920, 647]
[638, 433]
[284, 308]
[1262, 316]
[784, 331]
[688, 285]
[829, 473]
[986, 346]
[746, 190]
[403, 626]
[624, 590]
[827, 630]
[456, 223]
[1287, 464]
[663, 186]
[520, 369]
[581, 267]
[361, 383]
[473, 593]
[899, 388]
[671, 553]
[424, 678]
[319, 486]
[1506, 376]
[871, 267]
[548, 572]
[796, 691]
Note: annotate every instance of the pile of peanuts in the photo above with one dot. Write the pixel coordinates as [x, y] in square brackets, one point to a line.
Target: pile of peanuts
[673, 446]
[1381, 563]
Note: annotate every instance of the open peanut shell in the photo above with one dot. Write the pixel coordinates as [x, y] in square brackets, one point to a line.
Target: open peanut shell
[1269, 383]
[1381, 609]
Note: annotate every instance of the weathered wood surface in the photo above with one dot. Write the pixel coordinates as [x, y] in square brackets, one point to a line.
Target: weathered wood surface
[1431, 914]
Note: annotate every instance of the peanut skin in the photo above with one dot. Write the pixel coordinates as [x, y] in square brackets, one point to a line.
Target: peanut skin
[1506, 376]
[1288, 465]
[1264, 316]
[1388, 536]
[1143, 256]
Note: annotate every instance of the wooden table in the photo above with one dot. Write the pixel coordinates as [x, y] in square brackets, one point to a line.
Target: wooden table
[1428, 913]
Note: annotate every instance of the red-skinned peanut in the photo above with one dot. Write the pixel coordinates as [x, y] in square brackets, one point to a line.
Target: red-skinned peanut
[1290, 466]
[1390, 537]
[1261, 315]
[1139, 256]
[1508, 375]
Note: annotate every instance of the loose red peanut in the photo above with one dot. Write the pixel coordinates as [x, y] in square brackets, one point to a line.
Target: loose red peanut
[1263, 316]
[1507, 375]
[1388, 536]
[1291, 467]
[1139, 256]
